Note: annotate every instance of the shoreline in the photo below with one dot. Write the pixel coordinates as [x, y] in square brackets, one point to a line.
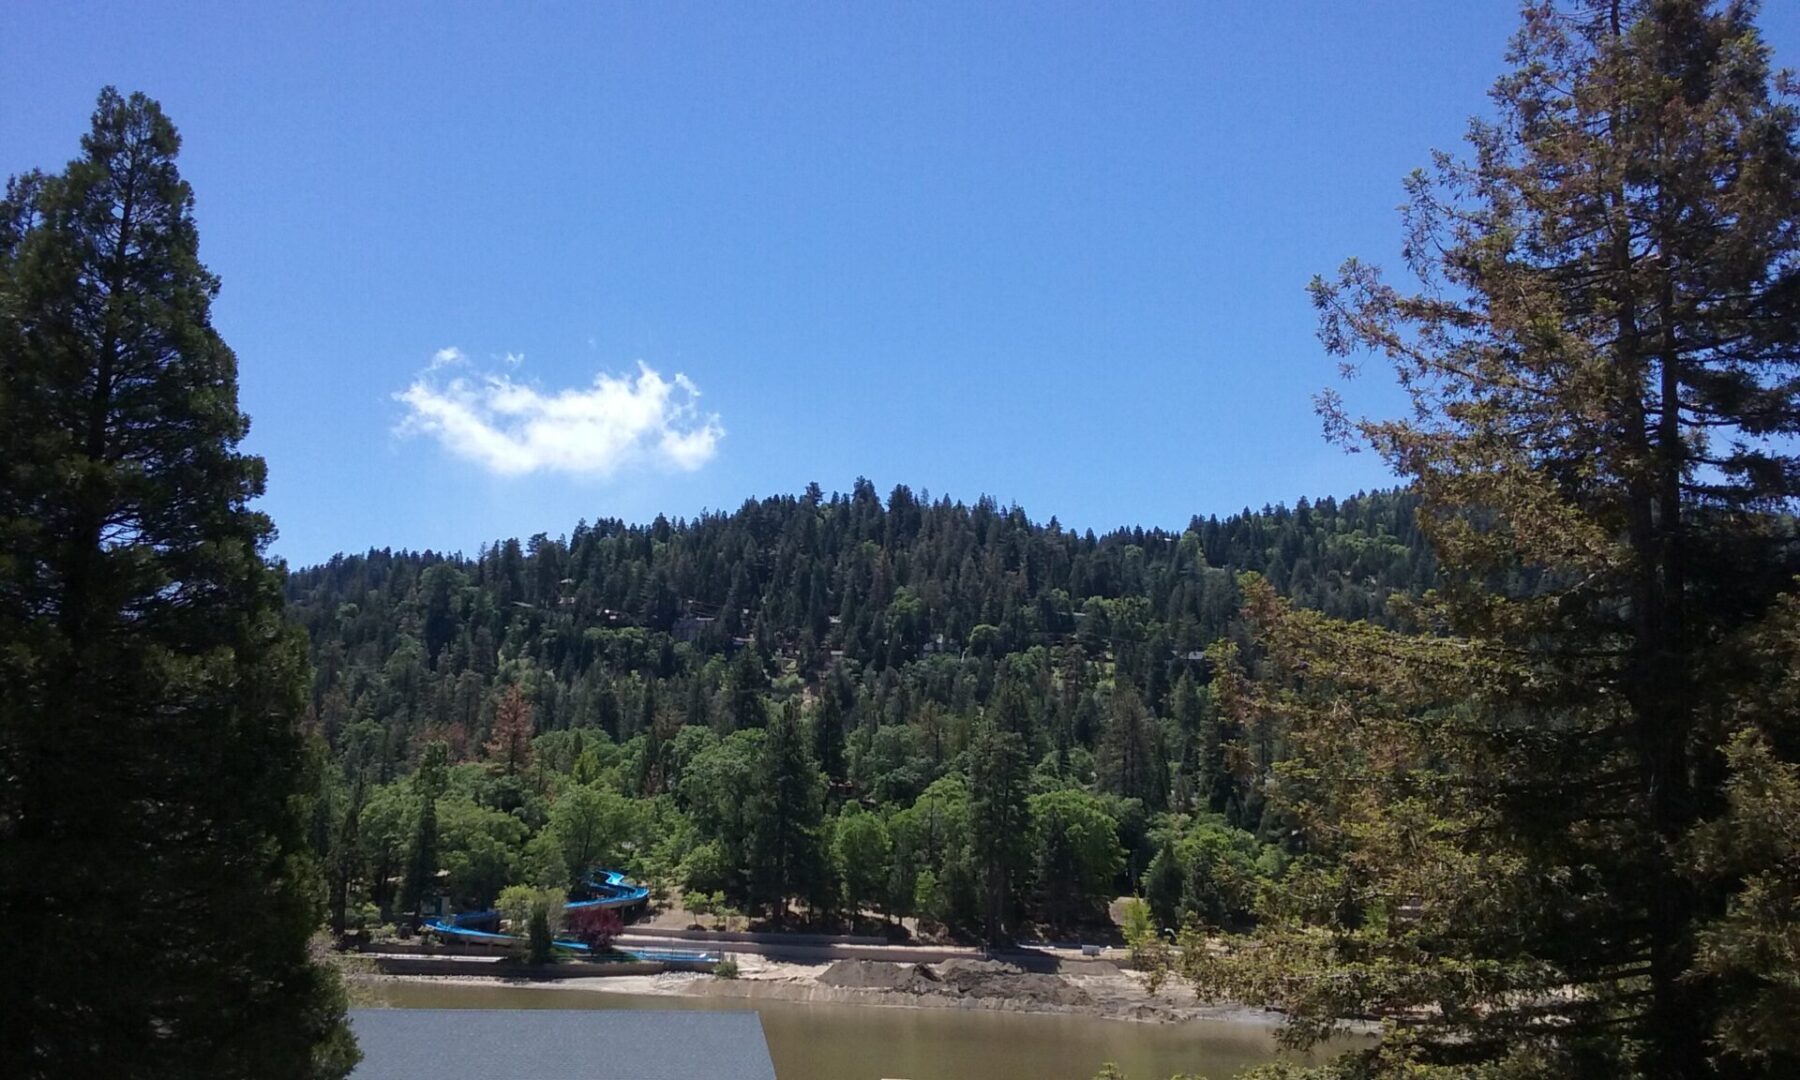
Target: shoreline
[1105, 992]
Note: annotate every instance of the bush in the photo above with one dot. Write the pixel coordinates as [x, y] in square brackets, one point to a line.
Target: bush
[726, 969]
[595, 927]
[518, 902]
[538, 937]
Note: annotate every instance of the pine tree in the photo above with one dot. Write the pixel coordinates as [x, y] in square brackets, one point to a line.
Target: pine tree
[344, 858]
[1131, 760]
[785, 809]
[428, 784]
[149, 690]
[828, 735]
[1000, 822]
[745, 709]
[1512, 813]
[510, 745]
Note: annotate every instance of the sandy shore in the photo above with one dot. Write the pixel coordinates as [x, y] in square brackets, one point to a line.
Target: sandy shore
[1094, 989]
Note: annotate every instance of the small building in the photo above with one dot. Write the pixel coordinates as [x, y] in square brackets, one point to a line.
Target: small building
[688, 628]
[559, 1044]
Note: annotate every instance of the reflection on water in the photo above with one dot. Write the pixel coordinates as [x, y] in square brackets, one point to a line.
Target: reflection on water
[852, 1042]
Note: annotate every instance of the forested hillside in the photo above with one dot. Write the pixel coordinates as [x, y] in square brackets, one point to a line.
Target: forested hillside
[902, 707]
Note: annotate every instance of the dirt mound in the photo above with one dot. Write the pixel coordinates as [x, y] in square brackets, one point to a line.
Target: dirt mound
[969, 979]
[880, 975]
[993, 979]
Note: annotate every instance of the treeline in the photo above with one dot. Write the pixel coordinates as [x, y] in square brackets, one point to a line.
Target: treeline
[871, 707]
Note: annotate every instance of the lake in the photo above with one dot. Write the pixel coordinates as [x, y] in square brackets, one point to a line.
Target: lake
[857, 1042]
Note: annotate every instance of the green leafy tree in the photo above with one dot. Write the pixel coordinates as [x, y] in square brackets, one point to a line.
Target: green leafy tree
[1076, 855]
[1163, 881]
[1212, 872]
[149, 688]
[1507, 812]
[935, 874]
[864, 855]
[595, 828]
[716, 790]
[517, 904]
[383, 830]
[480, 850]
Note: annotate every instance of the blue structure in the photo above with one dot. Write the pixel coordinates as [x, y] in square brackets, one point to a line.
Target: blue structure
[614, 893]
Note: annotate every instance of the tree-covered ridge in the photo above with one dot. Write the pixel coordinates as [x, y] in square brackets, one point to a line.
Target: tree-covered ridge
[904, 706]
[818, 588]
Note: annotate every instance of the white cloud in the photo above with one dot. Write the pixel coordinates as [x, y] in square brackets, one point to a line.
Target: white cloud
[447, 357]
[513, 428]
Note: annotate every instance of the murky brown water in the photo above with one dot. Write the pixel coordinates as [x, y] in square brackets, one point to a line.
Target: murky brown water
[853, 1042]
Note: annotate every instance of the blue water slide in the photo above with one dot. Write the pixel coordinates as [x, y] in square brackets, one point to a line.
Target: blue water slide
[613, 892]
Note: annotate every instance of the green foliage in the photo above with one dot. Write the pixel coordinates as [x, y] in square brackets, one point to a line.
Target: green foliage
[155, 802]
[612, 728]
[540, 942]
[519, 904]
[422, 857]
[999, 823]
[479, 848]
[783, 814]
[1076, 855]
[1211, 872]
[1534, 826]
[935, 874]
[863, 854]
[595, 828]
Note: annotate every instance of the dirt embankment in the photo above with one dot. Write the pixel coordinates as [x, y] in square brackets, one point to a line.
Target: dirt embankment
[968, 979]
[1094, 989]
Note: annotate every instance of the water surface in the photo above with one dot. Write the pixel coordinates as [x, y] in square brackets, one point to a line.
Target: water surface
[858, 1042]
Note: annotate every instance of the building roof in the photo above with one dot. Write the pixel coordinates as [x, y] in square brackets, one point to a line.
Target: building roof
[558, 1044]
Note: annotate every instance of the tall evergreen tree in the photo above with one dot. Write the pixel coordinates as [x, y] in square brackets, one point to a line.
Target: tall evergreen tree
[428, 784]
[150, 766]
[1513, 815]
[785, 809]
[510, 746]
[343, 858]
[828, 735]
[1131, 758]
[1000, 821]
[745, 709]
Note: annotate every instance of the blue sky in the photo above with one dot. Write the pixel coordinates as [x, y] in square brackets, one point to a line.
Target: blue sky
[490, 271]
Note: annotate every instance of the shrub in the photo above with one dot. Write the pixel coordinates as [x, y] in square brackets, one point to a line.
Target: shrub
[595, 927]
[538, 936]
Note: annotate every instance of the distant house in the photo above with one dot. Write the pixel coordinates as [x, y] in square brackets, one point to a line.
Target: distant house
[557, 1044]
[688, 628]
